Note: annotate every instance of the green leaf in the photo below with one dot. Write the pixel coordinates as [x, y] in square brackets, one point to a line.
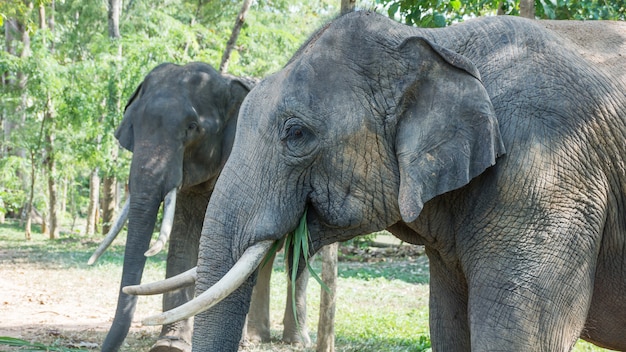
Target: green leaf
[297, 243]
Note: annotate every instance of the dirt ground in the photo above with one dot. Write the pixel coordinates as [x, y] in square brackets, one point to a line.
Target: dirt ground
[67, 304]
[37, 302]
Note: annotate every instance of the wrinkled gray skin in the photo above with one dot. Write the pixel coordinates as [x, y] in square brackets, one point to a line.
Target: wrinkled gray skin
[180, 125]
[496, 143]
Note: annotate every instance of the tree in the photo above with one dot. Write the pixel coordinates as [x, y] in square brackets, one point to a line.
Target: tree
[109, 186]
[432, 13]
[233, 37]
[77, 81]
[49, 113]
[347, 6]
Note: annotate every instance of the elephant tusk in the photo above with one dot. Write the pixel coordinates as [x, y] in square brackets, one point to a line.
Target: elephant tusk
[113, 232]
[169, 205]
[181, 280]
[244, 267]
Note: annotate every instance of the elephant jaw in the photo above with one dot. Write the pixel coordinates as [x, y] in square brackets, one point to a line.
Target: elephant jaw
[164, 234]
[244, 267]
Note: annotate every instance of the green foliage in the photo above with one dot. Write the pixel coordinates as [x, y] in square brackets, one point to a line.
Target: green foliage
[439, 13]
[34, 346]
[78, 79]
[12, 195]
[436, 13]
[581, 10]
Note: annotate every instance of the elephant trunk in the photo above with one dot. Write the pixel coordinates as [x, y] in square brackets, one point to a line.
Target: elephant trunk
[142, 216]
[230, 228]
[147, 188]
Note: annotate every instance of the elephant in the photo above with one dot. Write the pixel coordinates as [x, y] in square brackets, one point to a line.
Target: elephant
[180, 124]
[498, 143]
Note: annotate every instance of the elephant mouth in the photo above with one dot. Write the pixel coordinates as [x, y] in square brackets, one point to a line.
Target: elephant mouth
[324, 231]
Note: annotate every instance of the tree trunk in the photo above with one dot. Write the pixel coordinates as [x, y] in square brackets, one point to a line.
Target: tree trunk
[113, 107]
[109, 185]
[63, 200]
[92, 210]
[326, 324]
[527, 8]
[52, 189]
[241, 18]
[31, 197]
[347, 6]
[52, 229]
[115, 7]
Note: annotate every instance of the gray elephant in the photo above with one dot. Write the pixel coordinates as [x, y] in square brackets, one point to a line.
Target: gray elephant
[499, 144]
[180, 124]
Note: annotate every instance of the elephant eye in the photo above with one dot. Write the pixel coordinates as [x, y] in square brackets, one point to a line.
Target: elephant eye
[192, 126]
[295, 132]
[298, 139]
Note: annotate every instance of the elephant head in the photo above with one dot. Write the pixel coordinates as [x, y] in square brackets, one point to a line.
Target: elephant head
[359, 137]
[179, 124]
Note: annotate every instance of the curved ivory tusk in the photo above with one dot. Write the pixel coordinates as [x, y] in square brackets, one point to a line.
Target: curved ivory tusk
[181, 280]
[169, 205]
[113, 232]
[245, 266]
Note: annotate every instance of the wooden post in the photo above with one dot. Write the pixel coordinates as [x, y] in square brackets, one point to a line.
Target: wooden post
[326, 324]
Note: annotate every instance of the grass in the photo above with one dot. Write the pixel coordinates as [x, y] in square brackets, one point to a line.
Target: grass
[381, 306]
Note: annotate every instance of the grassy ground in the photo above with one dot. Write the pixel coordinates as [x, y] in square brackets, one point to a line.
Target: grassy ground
[50, 296]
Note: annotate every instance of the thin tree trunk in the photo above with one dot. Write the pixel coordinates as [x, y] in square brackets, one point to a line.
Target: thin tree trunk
[527, 8]
[113, 107]
[63, 202]
[500, 10]
[115, 7]
[52, 219]
[326, 324]
[230, 45]
[347, 6]
[92, 209]
[109, 185]
[31, 196]
[52, 22]
[52, 190]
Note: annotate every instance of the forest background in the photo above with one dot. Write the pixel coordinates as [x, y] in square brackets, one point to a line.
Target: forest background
[66, 76]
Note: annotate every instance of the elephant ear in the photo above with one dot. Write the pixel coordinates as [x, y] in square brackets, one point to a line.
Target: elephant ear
[238, 88]
[124, 132]
[447, 132]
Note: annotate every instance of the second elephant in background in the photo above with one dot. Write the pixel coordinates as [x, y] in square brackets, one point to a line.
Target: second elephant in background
[179, 124]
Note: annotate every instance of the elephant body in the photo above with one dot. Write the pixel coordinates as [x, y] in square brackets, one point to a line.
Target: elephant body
[180, 125]
[498, 143]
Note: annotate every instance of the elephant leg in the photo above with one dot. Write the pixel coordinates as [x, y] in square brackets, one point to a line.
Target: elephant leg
[182, 256]
[258, 322]
[296, 332]
[449, 326]
[540, 296]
